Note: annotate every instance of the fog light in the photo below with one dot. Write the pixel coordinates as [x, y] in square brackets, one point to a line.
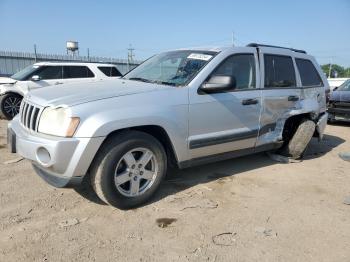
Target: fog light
[43, 156]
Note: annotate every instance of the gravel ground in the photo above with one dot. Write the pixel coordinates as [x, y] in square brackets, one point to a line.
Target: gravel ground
[246, 209]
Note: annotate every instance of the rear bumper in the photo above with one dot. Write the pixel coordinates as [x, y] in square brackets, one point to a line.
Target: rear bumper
[61, 162]
[321, 125]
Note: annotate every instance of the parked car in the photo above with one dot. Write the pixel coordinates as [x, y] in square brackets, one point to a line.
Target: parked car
[45, 74]
[181, 108]
[339, 104]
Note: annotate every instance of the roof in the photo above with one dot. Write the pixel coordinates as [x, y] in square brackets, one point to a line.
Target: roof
[72, 63]
[207, 48]
[254, 45]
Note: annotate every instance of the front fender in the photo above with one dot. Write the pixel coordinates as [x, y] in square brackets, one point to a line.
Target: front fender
[117, 114]
[9, 88]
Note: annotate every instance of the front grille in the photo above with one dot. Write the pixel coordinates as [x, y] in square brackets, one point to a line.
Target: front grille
[29, 115]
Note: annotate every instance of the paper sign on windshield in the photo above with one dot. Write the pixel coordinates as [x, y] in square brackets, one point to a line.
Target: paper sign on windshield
[199, 56]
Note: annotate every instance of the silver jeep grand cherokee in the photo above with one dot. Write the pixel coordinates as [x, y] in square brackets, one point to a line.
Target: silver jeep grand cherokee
[184, 107]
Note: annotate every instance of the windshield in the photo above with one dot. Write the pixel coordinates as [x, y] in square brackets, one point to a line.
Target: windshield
[25, 73]
[345, 86]
[175, 68]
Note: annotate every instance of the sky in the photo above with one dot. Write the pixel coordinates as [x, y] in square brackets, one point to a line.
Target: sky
[108, 28]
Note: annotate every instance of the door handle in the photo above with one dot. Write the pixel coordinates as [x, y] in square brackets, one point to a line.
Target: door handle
[250, 101]
[293, 98]
[58, 83]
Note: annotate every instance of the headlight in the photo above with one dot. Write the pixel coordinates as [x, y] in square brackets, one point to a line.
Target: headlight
[58, 122]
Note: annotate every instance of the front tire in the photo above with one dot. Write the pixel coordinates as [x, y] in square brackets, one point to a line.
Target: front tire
[10, 104]
[128, 169]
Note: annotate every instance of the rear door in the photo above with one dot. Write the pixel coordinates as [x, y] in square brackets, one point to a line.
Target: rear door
[280, 92]
[77, 73]
[227, 121]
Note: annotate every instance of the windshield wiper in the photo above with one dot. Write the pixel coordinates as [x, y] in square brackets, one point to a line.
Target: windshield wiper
[164, 83]
[151, 81]
[140, 79]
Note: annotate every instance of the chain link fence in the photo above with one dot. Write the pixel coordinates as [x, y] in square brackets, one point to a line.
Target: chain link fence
[12, 62]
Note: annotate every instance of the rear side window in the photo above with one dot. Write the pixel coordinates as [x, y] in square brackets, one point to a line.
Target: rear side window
[241, 67]
[77, 72]
[279, 71]
[49, 72]
[308, 73]
[109, 71]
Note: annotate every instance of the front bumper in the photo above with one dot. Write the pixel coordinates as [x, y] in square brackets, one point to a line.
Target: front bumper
[62, 162]
[342, 114]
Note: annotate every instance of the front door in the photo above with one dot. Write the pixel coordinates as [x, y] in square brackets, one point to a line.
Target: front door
[48, 76]
[227, 121]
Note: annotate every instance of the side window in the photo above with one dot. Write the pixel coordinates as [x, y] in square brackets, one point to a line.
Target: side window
[109, 71]
[308, 73]
[279, 71]
[241, 67]
[49, 72]
[77, 72]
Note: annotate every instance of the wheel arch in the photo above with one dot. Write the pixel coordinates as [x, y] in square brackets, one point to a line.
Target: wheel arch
[292, 122]
[11, 92]
[157, 132]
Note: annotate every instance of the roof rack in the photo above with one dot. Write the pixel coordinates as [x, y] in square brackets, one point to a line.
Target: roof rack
[274, 46]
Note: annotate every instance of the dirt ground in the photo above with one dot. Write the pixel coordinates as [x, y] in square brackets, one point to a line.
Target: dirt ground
[245, 209]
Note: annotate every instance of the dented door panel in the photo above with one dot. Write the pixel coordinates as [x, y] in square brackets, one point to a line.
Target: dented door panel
[275, 111]
[277, 107]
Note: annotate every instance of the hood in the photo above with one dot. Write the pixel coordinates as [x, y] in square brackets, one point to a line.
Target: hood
[340, 96]
[7, 80]
[79, 93]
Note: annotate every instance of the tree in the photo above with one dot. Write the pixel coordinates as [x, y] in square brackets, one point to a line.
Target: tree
[336, 70]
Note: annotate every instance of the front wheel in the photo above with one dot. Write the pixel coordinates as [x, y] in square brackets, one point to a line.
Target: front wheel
[128, 169]
[10, 104]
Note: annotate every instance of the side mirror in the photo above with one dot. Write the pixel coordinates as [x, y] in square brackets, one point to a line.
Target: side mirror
[35, 78]
[219, 83]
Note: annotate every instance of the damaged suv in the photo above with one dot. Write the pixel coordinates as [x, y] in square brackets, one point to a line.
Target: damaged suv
[181, 108]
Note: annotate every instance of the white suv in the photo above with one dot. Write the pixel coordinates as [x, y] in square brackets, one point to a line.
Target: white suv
[45, 74]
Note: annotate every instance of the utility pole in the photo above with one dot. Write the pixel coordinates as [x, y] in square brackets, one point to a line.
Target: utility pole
[233, 38]
[35, 55]
[88, 54]
[130, 56]
[330, 69]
